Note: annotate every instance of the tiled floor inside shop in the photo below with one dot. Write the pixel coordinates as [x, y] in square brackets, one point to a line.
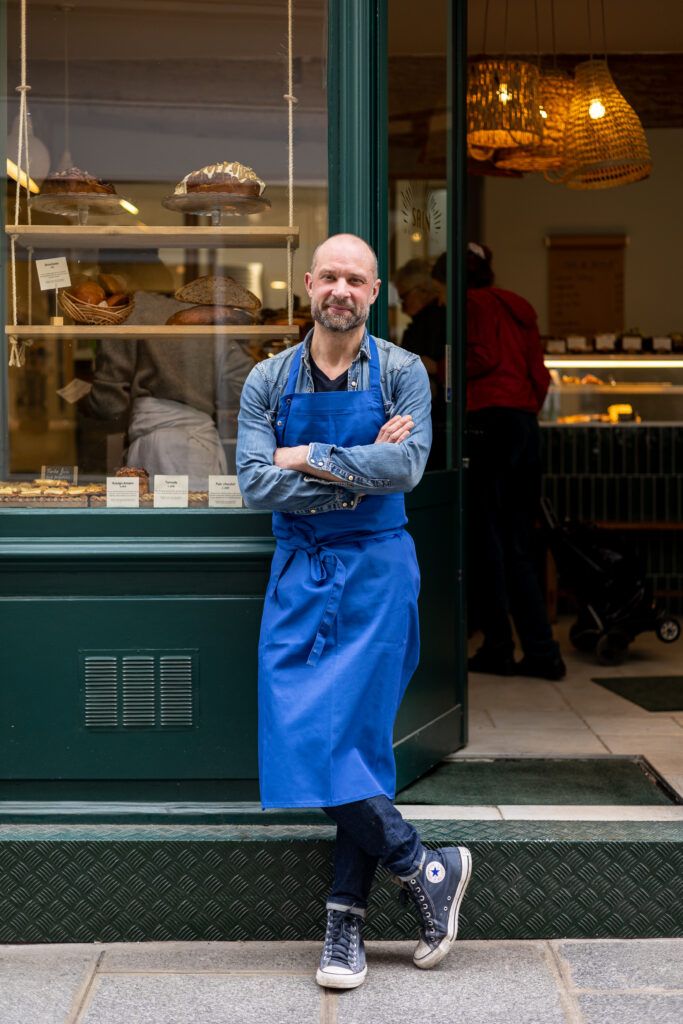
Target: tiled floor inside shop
[575, 717]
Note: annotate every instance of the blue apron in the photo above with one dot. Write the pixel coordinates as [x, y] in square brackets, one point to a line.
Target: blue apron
[339, 636]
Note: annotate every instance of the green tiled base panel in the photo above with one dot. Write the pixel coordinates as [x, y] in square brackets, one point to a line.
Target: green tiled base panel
[126, 883]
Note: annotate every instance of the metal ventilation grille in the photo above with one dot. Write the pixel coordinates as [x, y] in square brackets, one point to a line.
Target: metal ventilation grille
[138, 692]
[175, 674]
[101, 692]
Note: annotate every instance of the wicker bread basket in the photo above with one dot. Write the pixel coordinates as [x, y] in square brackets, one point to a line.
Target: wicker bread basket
[86, 313]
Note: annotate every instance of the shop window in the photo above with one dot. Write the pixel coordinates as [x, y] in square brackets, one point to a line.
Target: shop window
[125, 102]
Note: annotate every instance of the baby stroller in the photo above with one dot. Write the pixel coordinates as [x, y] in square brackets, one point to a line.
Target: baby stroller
[610, 586]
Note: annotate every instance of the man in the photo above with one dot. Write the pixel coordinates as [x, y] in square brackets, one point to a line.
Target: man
[331, 434]
[426, 336]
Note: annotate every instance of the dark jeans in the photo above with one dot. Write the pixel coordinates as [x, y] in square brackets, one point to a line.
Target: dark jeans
[369, 831]
[504, 485]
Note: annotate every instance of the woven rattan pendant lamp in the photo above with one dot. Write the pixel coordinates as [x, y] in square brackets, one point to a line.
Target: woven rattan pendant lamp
[555, 93]
[502, 100]
[605, 144]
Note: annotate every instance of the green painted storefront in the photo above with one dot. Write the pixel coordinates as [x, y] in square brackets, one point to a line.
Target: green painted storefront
[174, 598]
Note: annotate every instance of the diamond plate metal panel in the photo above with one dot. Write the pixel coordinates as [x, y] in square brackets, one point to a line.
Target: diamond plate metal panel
[84, 884]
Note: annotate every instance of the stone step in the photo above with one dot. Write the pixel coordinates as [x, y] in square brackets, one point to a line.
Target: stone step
[62, 882]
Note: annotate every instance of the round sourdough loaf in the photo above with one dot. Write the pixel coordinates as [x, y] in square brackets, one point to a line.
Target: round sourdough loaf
[211, 315]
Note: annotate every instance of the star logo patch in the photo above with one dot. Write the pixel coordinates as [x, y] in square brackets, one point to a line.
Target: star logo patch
[435, 872]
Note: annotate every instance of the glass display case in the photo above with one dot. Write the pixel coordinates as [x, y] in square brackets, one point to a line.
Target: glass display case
[614, 389]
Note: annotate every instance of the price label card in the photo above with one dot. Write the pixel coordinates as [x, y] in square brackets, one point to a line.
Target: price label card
[170, 491]
[67, 473]
[631, 343]
[123, 492]
[75, 390]
[224, 492]
[53, 273]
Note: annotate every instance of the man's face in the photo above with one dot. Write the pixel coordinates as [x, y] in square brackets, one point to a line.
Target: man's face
[342, 285]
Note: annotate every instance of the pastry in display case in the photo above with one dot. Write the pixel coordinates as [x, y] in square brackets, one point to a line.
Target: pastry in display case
[74, 180]
[227, 187]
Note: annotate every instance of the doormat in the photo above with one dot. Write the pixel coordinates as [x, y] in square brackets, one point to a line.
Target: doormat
[621, 780]
[654, 693]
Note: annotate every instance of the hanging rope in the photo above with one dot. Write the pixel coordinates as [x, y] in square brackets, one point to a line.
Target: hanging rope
[18, 348]
[291, 100]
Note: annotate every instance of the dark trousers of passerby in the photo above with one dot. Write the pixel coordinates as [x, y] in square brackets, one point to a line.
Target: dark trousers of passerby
[504, 490]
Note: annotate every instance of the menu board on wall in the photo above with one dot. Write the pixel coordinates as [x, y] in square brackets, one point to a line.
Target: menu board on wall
[585, 284]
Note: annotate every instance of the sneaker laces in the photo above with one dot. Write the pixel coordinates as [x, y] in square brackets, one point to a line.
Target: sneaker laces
[340, 938]
[414, 892]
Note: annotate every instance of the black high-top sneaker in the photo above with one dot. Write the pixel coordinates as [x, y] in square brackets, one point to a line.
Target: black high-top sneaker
[342, 964]
[437, 890]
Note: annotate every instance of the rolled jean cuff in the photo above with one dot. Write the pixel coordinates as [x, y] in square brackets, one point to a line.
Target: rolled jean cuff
[346, 908]
[416, 870]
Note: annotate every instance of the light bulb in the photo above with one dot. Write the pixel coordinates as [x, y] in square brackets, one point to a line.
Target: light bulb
[128, 206]
[503, 94]
[278, 286]
[596, 110]
[416, 236]
[542, 112]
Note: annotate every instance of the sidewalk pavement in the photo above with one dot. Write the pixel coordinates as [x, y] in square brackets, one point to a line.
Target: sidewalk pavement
[636, 981]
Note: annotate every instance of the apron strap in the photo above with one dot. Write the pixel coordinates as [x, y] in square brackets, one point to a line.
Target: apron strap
[333, 602]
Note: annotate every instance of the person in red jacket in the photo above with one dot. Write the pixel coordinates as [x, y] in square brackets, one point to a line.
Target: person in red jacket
[506, 386]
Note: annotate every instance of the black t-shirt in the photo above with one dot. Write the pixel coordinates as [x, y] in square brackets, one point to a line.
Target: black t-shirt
[321, 382]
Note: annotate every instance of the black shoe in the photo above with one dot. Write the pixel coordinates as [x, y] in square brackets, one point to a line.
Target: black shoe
[542, 668]
[342, 964]
[437, 890]
[493, 664]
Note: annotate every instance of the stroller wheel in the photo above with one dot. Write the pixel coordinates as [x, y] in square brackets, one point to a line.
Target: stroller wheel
[611, 647]
[583, 639]
[668, 630]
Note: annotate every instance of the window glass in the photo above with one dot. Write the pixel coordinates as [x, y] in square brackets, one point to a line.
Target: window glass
[418, 240]
[126, 100]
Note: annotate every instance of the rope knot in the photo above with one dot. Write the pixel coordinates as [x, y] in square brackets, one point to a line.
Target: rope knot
[288, 96]
[22, 88]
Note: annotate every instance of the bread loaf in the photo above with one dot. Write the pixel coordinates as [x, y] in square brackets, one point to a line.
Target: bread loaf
[211, 315]
[218, 291]
[119, 299]
[88, 291]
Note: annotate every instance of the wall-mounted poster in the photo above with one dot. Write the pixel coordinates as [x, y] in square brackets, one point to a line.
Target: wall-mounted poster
[585, 284]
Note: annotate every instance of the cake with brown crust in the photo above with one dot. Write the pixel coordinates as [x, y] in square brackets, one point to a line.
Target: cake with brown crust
[233, 178]
[75, 180]
[141, 474]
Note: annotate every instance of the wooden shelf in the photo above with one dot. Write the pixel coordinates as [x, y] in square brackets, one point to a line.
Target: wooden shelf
[95, 236]
[259, 331]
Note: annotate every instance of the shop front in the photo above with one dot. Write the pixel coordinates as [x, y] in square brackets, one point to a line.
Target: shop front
[184, 160]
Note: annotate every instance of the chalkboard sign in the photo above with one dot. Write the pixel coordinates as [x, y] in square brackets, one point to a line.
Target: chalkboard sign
[585, 284]
[66, 473]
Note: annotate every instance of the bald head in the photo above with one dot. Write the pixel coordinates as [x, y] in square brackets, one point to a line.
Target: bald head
[346, 245]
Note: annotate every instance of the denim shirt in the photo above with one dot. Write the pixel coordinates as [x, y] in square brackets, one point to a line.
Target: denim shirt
[365, 469]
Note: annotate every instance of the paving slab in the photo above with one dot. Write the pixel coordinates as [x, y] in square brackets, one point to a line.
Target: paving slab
[480, 983]
[202, 999]
[624, 964]
[42, 985]
[627, 1008]
[213, 957]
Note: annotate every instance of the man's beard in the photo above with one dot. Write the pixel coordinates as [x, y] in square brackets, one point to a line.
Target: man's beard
[338, 321]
